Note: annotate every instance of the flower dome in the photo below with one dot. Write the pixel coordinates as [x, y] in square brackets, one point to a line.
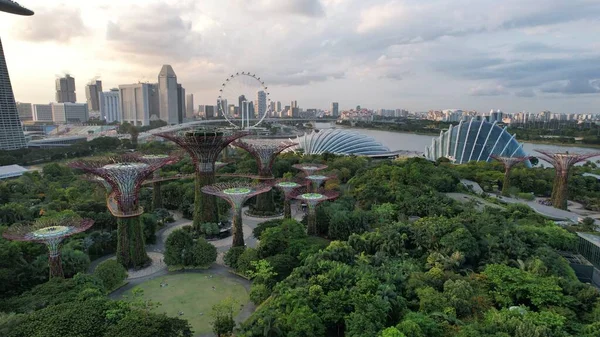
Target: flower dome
[338, 141]
[474, 141]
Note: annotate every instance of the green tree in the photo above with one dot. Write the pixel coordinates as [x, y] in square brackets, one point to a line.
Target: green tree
[222, 315]
[178, 248]
[111, 273]
[203, 253]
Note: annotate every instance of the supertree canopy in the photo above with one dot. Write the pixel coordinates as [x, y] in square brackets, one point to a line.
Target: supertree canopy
[312, 200]
[309, 169]
[204, 147]
[236, 193]
[317, 180]
[509, 163]
[125, 178]
[562, 163]
[51, 231]
[287, 187]
[264, 152]
[156, 192]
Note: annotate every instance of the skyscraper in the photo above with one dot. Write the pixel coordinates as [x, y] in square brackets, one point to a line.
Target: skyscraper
[222, 106]
[11, 132]
[167, 99]
[110, 107]
[278, 106]
[260, 105]
[241, 105]
[189, 105]
[135, 103]
[153, 98]
[180, 103]
[92, 95]
[335, 112]
[65, 89]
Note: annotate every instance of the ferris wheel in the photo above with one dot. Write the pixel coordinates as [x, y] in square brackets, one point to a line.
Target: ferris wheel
[244, 100]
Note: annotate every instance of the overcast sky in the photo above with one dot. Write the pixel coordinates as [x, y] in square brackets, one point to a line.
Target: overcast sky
[415, 54]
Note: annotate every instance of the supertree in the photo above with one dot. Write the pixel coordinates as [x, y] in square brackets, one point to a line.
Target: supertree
[125, 178]
[287, 187]
[264, 152]
[236, 193]
[312, 200]
[562, 162]
[50, 231]
[509, 163]
[309, 169]
[204, 147]
[317, 180]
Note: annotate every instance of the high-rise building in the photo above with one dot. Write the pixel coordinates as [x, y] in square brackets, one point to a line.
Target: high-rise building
[110, 106]
[25, 111]
[168, 95]
[201, 110]
[260, 105]
[335, 110]
[11, 131]
[92, 95]
[180, 103]
[153, 99]
[278, 106]
[42, 112]
[294, 104]
[209, 111]
[222, 106]
[63, 113]
[189, 105]
[65, 89]
[135, 103]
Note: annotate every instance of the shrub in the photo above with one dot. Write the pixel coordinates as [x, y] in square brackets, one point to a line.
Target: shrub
[525, 196]
[178, 248]
[111, 273]
[259, 293]
[244, 263]
[209, 229]
[204, 254]
[264, 225]
[232, 256]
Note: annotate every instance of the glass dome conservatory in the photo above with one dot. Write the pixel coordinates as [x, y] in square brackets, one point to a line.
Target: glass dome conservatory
[338, 141]
[474, 141]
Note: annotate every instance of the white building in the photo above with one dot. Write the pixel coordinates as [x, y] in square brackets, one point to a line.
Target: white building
[168, 95]
[135, 103]
[63, 113]
[25, 111]
[11, 171]
[110, 106]
[42, 113]
[260, 106]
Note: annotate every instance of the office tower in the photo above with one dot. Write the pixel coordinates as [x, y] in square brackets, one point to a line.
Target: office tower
[260, 106]
[294, 104]
[278, 106]
[294, 110]
[92, 95]
[189, 105]
[25, 111]
[63, 113]
[222, 106]
[335, 112]
[110, 106]
[209, 111]
[11, 131]
[135, 103]
[42, 113]
[168, 98]
[65, 89]
[201, 111]
[272, 108]
[153, 101]
[232, 110]
[180, 103]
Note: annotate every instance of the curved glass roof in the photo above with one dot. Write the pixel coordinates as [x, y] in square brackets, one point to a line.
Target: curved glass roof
[474, 141]
[338, 141]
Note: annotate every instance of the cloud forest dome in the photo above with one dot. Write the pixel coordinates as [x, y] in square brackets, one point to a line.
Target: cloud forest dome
[474, 141]
[339, 142]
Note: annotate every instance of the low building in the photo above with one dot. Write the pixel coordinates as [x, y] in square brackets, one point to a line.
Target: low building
[63, 113]
[57, 141]
[42, 112]
[11, 171]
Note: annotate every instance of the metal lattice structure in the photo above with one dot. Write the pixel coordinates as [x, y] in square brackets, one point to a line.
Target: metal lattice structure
[309, 169]
[562, 162]
[204, 147]
[317, 180]
[287, 187]
[338, 141]
[509, 163]
[312, 200]
[50, 231]
[156, 190]
[236, 193]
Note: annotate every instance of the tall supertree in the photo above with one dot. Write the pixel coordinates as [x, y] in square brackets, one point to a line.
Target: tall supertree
[125, 177]
[204, 147]
[236, 193]
[309, 169]
[562, 162]
[312, 200]
[509, 163]
[287, 187]
[317, 180]
[50, 231]
[264, 152]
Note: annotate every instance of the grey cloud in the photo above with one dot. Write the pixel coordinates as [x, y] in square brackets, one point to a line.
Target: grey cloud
[59, 24]
[304, 77]
[538, 47]
[525, 93]
[487, 91]
[310, 8]
[575, 86]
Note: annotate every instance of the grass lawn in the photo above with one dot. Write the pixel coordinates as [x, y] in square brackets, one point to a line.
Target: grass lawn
[192, 294]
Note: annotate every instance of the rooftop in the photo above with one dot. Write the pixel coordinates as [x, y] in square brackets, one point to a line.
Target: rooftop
[9, 171]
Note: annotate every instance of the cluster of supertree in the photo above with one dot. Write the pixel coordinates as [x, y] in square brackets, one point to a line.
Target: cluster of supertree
[50, 231]
[264, 152]
[123, 176]
[563, 162]
[509, 163]
[204, 147]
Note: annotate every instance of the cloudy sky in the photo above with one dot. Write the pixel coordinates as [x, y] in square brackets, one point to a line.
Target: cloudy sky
[414, 54]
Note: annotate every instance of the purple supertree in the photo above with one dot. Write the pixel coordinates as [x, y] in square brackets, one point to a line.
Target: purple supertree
[287, 187]
[309, 169]
[125, 179]
[509, 163]
[236, 193]
[562, 162]
[204, 147]
[50, 231]
[264, 152]
[312, 200]
[152, 159]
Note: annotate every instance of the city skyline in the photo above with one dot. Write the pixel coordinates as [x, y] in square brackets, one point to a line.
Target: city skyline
[494, 54]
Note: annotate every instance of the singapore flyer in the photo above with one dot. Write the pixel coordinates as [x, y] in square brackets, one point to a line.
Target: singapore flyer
[244, 100]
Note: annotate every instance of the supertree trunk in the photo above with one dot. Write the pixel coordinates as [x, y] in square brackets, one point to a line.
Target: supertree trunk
[561, 188]
[205, 206]
[123, 238]
[238, 229]
[55, 264]
[506, 182]
[287, 209]
[265, 203]
[131, 249]
[156, 196]
[312, 221]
